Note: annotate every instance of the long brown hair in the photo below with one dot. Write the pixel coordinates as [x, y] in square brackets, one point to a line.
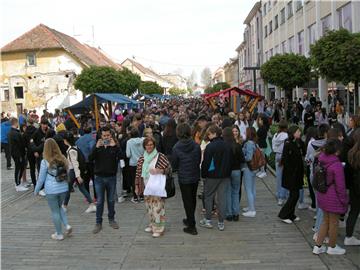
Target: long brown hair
[354, 153]
[52, 153]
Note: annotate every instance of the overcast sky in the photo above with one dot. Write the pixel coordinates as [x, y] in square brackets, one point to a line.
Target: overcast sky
[166, 35]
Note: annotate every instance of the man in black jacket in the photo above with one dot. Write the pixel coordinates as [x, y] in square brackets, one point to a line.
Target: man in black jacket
[216, 169]
[17, 150]
[28, 134]
[186, 157]
[105, 155]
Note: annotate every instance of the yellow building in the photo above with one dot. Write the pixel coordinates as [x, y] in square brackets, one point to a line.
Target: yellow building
[38, 69]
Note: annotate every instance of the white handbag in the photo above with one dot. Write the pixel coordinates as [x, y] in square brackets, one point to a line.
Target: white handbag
[155, 186]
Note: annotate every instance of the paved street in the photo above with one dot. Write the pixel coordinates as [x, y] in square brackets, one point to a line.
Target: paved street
[260, 243]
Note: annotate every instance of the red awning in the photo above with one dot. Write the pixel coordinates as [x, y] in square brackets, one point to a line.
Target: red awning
[229, 91]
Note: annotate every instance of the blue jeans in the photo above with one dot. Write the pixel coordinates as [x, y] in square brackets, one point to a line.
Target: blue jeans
[103, 184]
[281, 193]
[249, 181]
[58, 214]
[232, 194]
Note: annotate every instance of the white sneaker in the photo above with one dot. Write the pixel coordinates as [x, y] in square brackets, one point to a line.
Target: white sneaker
[303, 206]
[205, 223]
[280, 202]
[58, 237]
[121, 199]
[336, 250]
[287, 221]
[26, 184]
[312, 209]
[318, 250]
[351, 241]
[262, 175]
[64, 208]
[342, 224]
[245, 209]
[249, 214]
[68, 230]
[326, 239]
[258, 173]
[42, 193]
[21, 188]
[91, 208]
[148, 229]
[297, 219]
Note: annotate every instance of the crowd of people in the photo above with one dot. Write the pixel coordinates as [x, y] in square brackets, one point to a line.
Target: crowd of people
[213, 151]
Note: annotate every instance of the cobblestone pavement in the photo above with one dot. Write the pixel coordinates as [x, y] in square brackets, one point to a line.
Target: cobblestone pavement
[252, 243]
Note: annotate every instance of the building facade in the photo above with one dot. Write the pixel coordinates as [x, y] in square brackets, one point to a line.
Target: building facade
[176, 79]
[292, 26]
[231, 72]
[219, 76]
[38, 69]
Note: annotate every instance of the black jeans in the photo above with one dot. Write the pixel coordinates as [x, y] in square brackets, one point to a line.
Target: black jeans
[7, 154]
[89, 176]
[19, 168]
[288, 210]
[188, 194]
[32, 164]
[132, 173]
[353, 213]
[311, 190]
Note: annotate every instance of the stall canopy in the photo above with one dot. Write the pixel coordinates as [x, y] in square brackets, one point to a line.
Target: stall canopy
[230, 91]
[88, 103]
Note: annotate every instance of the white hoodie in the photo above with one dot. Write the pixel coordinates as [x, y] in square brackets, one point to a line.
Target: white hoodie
[242, 126]
[278, 142]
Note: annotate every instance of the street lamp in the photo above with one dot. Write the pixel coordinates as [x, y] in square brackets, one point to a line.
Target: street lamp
[254, 69]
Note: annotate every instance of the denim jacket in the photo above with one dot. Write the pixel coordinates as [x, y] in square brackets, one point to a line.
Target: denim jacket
[248, 150]
[51, 185]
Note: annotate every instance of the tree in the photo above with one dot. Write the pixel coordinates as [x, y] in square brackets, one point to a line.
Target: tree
[206, 77]
[98, 80]
[209, 90]
[177, 91]
[130, 82]
[287, 71]
[191, 80]
[336, 57]
[107, 80]
[221, 86]
[148, 87]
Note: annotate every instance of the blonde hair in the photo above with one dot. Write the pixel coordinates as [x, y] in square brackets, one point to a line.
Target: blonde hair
[52, 153]
[147, 131]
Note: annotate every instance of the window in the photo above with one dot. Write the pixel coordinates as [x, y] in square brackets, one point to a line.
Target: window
[345, 20]
[6, 95]
[19, 92]
[326, 24]
[271, 52]
[276, 22]
[290, 10]
[269, 6]
[311, 30]
[276, 49]
[31, 59]
[291, 44]
[266, 56]
[283, 46]
[270, 27]
[301, 42]
[264, 9]
[299, 4]
[266, 33]
[282, 16]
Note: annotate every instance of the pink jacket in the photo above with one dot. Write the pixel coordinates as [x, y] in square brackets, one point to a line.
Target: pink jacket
[335, 200]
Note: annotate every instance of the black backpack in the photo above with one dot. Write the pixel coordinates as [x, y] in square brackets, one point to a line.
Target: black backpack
[81, 161]
[319, 176]
[61, 173]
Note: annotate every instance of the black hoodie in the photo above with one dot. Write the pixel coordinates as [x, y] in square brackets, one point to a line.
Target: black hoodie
[186, 157]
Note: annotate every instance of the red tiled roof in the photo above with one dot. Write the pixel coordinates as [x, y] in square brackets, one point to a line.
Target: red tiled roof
[42, 38]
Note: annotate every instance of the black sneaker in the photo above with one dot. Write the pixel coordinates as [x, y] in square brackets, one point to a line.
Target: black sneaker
[229, 218]
[236, 218]
[190, 230]
[185, 222]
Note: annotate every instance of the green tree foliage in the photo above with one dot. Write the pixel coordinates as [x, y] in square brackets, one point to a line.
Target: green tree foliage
[287, 71]
[177, 91]
[148, 87]
[221, 86]
[129, 81]
[107, 80]
[336, 56]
